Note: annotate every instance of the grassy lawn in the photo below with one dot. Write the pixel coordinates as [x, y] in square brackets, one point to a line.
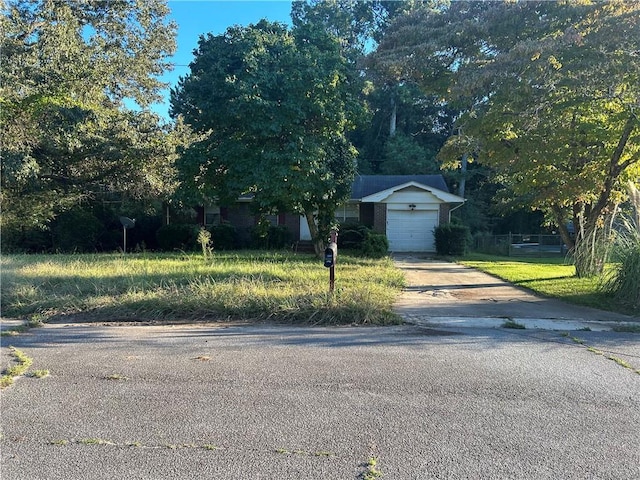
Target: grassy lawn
[283, 287]
[552, 277]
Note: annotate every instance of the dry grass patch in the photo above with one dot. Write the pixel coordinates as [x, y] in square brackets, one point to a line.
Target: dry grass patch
[284, 287]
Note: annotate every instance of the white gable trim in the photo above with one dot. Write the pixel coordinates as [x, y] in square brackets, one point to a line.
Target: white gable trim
[444, 197]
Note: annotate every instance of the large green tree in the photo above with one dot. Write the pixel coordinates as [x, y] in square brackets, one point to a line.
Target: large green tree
[419, 121]
[551, 90]
[273, 107]
[354, 24]
[68, 67]
[406, 130]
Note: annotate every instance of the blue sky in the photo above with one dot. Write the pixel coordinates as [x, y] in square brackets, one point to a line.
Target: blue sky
[198, 17]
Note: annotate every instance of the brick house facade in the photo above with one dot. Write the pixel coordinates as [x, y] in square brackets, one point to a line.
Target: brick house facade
[404, 207]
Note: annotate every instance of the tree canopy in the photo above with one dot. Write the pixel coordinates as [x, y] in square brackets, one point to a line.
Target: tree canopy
[550, 93]
[273, 107]
[67, 70]
[543, 95]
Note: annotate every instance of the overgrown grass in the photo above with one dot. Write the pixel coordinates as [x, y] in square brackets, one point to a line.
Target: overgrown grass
[22, 365]
[372, 471]
[235, 286]
[551, 277]
[623, 282]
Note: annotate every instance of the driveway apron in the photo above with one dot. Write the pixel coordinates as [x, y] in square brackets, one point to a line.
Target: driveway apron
[446, 293]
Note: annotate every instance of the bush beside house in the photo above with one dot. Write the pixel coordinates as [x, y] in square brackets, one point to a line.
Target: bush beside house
[83, 229]
[270, 237]
[352, 235]
[224, 236]
[375, 245]
[178, 236]
[362, 240]
[452, 239]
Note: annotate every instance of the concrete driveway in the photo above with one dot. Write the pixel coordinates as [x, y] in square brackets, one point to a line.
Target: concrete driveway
[448, 294]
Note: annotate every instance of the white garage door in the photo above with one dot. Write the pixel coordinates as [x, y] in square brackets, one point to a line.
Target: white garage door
[411, 231]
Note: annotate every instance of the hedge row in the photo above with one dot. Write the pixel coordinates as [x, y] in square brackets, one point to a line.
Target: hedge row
[452, 239]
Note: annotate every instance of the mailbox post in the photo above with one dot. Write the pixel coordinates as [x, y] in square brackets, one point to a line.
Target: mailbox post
[330, 257]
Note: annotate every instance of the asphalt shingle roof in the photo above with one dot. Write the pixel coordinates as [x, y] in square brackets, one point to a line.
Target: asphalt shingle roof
[364, 185]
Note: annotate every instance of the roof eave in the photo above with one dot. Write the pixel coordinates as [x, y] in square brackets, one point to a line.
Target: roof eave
[444, 197]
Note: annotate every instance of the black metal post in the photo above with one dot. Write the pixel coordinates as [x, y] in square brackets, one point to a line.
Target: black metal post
[333, 240]
[332, 278]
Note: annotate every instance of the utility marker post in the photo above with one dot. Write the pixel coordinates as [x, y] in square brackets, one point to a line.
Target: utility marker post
[126, 224]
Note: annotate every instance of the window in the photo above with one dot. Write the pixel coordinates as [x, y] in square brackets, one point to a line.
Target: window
[212, 216]
[349, 213]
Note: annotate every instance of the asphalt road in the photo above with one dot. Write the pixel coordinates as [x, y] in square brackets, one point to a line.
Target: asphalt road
[248, 402]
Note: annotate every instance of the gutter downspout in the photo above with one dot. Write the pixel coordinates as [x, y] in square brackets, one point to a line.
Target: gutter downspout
[455, 208]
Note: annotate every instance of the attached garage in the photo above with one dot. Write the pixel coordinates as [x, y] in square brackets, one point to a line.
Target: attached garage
[408, 209]
[411, 230]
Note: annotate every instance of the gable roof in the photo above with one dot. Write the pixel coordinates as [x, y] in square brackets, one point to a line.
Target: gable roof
[370, 185]
[365, 185]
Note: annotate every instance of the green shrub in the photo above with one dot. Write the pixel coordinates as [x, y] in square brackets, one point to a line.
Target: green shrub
[224, 237]
[140, 237]
[375, 245]
[76, 230]
[623, 284]
[352, 236]
[280, 237]
[259, 234]
[143, 235]
[270, 237]
[24, 240]
[178, 236]
[452, 239]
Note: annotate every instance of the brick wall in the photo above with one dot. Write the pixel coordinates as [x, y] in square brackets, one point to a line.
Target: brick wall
[380, 218]
[444, 213]
[367, 214]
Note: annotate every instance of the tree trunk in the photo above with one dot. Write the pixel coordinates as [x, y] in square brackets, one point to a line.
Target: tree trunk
[562, 228]
[592, 222]
[463, 175]
[634, 196]
[316, 238]
[394, 117]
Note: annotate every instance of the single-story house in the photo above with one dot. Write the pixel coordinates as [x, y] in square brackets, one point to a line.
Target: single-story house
[406, 208]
